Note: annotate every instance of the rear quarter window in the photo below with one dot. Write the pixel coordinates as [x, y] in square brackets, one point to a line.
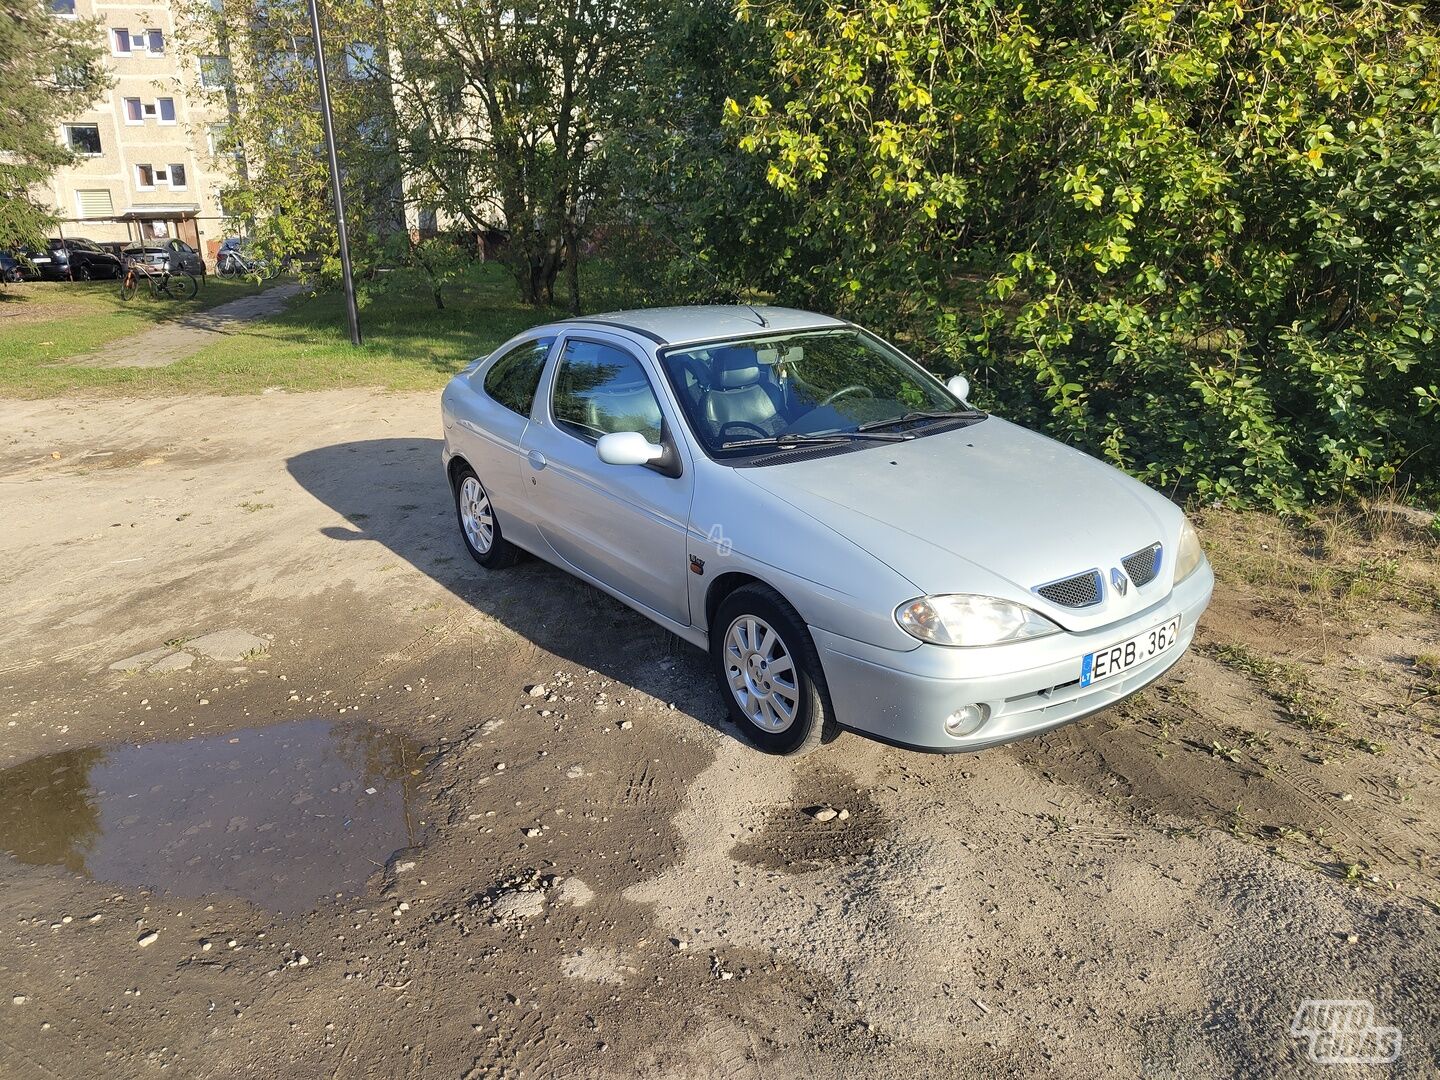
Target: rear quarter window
[513, 379]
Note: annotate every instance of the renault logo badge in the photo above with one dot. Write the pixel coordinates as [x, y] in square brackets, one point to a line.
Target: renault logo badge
[1119, 580]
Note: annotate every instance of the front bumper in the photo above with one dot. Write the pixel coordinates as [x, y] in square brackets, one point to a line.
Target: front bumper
[1030, 686]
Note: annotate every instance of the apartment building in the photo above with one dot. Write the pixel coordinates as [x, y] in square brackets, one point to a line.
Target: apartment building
[146, 167]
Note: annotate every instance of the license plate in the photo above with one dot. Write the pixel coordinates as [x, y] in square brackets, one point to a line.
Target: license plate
[41, 259]
[1120, 658]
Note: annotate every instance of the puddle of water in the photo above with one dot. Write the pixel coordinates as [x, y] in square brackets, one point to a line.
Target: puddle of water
[283, 815]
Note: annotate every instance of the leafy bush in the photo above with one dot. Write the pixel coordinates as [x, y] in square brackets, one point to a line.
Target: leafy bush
[1201, 238]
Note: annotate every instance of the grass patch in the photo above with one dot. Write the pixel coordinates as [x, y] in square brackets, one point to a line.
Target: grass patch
[1283, 684]
[409, 345]
[1338, 561]
[46, 321]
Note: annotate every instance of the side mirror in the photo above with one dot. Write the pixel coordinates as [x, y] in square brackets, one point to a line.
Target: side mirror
[960, 387]
[627, 448]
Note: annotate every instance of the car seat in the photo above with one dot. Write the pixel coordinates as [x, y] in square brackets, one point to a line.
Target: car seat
[740, 392]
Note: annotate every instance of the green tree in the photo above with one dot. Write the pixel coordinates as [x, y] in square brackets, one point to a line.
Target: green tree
[693, 218]
[1200, 238]
[258, 58]
[501, 110]
[50, 72]
[486, 116]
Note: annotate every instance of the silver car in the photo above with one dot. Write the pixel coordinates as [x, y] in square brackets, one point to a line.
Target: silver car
[854, 545]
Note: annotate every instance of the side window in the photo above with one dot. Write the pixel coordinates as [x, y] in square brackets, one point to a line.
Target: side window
[513, 378]
[600, 390]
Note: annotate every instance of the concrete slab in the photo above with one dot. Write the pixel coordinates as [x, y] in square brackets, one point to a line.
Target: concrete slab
[229, 644]
[139, 661]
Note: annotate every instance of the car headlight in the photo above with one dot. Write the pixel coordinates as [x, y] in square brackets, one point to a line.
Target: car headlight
[965, 621]
[1190, 554]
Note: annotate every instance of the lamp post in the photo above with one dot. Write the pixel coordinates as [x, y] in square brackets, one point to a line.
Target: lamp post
[351, 312]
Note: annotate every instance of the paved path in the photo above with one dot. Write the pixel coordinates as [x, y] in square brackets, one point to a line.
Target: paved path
[172, 341]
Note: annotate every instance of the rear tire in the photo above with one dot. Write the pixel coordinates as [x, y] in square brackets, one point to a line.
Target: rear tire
[183, 286]
[129, 286]
[769, 672]
[479, 527]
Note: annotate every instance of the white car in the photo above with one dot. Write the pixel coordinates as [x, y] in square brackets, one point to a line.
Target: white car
[853, 544]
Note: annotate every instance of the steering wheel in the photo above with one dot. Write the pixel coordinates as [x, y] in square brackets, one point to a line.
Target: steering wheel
[761, 432]
[846, 391]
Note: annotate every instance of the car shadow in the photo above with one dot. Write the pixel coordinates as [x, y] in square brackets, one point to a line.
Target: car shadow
[393, 492]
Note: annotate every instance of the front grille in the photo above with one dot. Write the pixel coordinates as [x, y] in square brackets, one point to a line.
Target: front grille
[1143, 565]
[1082, 590]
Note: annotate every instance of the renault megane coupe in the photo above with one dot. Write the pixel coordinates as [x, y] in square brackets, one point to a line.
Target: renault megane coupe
[853, 544]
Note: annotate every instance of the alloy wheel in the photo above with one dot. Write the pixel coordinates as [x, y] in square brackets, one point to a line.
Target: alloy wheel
[761, 674]
[475, 515]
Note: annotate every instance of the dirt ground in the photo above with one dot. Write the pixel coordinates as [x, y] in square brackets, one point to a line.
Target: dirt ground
[593, 876]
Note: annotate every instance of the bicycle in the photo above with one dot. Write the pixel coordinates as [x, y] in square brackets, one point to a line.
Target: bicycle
[233, 264]
[179, 286]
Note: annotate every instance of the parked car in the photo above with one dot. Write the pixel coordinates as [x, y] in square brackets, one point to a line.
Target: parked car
[175, 255]
[16, 267]
[851, 541]
[74, 258]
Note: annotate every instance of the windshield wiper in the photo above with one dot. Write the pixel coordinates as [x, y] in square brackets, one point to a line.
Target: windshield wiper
[786, 441]
[925, 414]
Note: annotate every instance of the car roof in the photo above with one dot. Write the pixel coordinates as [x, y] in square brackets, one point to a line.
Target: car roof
[707, 322]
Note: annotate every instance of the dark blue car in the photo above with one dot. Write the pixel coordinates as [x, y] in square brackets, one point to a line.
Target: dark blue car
[15, 267]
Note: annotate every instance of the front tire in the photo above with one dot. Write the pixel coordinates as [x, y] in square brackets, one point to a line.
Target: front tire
[770, 673]
[479, 528]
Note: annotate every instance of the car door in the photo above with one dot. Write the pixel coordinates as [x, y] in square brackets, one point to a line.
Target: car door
[623, 525]
[489, 422]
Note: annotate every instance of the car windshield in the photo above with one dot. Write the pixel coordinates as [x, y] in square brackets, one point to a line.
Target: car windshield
[840, 384]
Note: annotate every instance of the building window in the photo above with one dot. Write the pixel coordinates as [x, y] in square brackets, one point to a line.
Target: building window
[149, 177]
[94, 204]
[154, 42]
[120, 42]
[84, 139]
[372, 132]
[64, 8]
[214, 72]
[72, 76]
[137, 111]
[360, 61]
[216, 136]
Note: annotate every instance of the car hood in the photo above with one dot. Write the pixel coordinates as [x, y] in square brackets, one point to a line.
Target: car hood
[990, 508]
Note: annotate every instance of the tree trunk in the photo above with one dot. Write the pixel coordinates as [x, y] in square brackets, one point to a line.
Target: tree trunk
[572, 265]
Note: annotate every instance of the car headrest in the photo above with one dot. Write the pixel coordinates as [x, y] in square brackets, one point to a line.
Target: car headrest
[735, 366]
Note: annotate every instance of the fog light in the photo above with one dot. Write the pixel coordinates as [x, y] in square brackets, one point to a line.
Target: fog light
[967, 720]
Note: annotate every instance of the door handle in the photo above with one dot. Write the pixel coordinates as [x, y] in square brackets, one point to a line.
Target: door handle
[537, 459]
